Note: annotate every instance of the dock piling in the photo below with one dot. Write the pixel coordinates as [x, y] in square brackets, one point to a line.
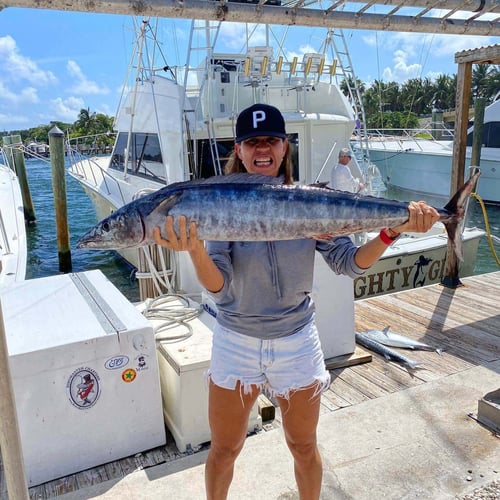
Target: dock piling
[15, 157]
[56, 146]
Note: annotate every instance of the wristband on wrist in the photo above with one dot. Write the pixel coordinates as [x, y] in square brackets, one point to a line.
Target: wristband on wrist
[388, 236]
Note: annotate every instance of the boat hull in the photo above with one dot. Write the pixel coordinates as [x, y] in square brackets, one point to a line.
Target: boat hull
[13, 242]
[415, 167]
[411, 264]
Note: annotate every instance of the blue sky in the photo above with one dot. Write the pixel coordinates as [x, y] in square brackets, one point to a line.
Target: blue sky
[53, 63]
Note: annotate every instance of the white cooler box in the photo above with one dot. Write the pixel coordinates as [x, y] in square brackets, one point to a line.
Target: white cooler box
[184, 389]
[85, 374]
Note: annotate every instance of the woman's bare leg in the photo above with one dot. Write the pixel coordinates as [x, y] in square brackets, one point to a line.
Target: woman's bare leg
[228, 413]
[300, 416]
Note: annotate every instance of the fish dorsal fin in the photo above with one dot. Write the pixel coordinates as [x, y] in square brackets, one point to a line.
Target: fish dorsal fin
[240, 178]
[385, 331]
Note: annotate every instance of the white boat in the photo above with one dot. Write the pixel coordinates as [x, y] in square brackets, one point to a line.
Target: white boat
[169, 132]
[409, 161]
[13, 243]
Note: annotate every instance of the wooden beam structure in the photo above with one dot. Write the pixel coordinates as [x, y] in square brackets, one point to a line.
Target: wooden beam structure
[465, 60]
[464, 17]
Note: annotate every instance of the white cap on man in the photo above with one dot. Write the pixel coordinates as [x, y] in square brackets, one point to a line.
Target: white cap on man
[345, 152]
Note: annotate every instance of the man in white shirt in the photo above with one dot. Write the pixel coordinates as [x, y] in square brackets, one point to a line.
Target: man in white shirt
[342, 178]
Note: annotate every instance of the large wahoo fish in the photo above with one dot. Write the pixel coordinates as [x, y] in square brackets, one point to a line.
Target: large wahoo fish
[250, 207]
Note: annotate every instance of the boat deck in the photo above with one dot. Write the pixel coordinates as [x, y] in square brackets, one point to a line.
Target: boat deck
[465, 322]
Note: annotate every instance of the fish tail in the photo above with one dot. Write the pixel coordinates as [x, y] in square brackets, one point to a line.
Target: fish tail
[412, 365]
[456, 208]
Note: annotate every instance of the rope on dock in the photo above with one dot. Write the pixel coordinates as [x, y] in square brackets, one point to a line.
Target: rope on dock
[174, 310]
[488, 230]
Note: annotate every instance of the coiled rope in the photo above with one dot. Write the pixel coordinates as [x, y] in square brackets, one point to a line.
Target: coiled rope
[172, 314]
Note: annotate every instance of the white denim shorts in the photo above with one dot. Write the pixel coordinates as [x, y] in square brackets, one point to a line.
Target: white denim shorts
[277, 365]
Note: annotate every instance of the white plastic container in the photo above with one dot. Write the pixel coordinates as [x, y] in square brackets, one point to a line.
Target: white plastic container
[85, 374]
[183, 364]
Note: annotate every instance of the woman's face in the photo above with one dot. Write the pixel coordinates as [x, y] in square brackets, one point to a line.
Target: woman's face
[262, 155]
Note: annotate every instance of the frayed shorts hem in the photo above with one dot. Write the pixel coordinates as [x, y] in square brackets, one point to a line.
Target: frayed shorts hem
[279, 367]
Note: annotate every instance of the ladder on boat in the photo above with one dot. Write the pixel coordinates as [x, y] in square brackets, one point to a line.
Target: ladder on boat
[339, 45]
[209, 31]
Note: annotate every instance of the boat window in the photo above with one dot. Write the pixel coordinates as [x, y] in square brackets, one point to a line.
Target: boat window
[491, 135]
[143, 148]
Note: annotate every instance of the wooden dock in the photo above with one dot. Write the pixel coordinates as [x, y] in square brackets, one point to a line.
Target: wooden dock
[464, 321]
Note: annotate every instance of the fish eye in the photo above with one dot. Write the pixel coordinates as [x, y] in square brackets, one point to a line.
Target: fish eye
[105, 226]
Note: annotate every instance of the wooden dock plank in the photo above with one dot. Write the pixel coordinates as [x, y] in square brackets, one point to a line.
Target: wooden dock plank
[481, 344]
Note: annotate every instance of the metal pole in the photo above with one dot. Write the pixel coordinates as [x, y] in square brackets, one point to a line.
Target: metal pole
[10, 441]
[56, 144]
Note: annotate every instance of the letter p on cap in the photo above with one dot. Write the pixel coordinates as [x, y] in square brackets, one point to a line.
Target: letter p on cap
[258, 116]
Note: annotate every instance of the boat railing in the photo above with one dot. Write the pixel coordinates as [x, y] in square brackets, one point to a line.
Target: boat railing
[89, 169]
[418, 137]
[4, 238]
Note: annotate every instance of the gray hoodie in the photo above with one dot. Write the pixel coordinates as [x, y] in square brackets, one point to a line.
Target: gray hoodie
[267, 284]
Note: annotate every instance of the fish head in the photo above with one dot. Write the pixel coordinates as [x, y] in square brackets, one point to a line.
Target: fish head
[122, 229]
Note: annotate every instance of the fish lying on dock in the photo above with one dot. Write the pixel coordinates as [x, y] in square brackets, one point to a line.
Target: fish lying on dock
[251, 207]
[389, 354]
[396, 340]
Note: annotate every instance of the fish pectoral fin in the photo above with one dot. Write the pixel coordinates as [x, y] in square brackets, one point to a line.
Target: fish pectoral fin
[165, 205]
[385, 331]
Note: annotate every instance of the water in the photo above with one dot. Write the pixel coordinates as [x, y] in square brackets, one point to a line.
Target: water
[42, 242]
[43, 257]
[485, 262]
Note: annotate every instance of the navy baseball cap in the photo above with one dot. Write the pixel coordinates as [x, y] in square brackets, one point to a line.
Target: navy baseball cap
[260, 120]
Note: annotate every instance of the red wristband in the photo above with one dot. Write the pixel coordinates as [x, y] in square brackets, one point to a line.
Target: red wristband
[386, 239]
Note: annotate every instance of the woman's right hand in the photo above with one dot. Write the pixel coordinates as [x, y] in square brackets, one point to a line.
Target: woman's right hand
[186, 240]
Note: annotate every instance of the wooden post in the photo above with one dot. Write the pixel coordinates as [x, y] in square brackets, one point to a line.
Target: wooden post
[464, 76]
[10, 441]
[20, 166]
[7, 141]
[56, 145]
[479, 105]
[16, 158]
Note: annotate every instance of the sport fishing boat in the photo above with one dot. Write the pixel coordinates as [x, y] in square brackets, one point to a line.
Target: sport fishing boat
[13, 243]
[421, 160]
[177, 124]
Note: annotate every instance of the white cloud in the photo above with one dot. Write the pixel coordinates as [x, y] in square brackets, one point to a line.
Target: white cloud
[412, 53]
[401, 71]
[19, 68]
[82, 84]
[14, 120]
[28, 95]
[234, 35]
[448, 45]
[67, 109]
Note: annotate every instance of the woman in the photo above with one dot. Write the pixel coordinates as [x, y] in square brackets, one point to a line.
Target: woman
[265, 335]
